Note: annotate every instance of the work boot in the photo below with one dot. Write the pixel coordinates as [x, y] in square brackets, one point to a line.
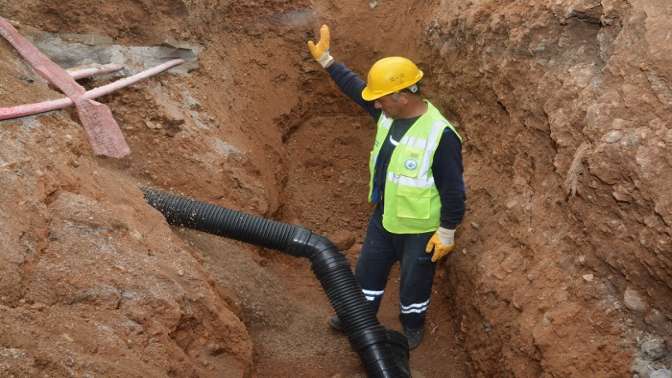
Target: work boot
[335, 323]
[414, 337]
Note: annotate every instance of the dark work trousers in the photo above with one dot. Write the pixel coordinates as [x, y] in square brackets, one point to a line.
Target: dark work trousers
[380, 251]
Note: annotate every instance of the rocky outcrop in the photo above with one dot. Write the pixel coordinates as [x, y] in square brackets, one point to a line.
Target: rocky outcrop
[566, 257]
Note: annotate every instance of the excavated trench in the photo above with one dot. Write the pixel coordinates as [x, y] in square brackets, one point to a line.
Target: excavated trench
[564, 262]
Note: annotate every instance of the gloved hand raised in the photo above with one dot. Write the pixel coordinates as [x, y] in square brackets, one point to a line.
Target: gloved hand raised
[321, 51]
[441, 243]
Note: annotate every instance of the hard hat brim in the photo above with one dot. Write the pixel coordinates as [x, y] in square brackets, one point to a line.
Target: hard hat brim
[369, 95]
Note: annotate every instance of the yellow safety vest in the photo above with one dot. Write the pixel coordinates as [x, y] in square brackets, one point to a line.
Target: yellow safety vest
[412, 203]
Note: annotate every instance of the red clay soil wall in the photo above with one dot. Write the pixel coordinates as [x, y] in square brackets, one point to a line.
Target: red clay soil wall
[566, 254]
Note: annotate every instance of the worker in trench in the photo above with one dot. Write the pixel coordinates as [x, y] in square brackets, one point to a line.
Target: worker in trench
[416, 183]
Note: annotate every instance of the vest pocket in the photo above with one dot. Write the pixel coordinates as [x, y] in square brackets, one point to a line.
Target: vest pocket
[413, 203]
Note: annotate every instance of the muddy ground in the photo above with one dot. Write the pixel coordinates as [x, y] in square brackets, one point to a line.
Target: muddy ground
[564, 260]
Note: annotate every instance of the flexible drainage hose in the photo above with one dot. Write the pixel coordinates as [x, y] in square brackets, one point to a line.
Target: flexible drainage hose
[383, 352]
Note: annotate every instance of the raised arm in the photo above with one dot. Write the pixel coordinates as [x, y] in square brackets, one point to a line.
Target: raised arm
[347, 81]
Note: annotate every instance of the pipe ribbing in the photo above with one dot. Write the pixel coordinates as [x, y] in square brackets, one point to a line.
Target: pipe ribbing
[384, 353]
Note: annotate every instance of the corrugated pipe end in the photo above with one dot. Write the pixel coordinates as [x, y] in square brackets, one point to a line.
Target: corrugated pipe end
[217, 220]
[382, 352]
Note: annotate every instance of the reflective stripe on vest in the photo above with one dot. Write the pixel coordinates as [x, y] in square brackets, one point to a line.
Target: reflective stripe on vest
[411, 200]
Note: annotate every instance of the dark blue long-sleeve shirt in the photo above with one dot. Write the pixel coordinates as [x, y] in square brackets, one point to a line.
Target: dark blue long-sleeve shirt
[446, 167]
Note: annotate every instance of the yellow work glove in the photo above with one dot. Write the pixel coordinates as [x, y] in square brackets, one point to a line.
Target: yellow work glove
[441, 243]
[321, 51]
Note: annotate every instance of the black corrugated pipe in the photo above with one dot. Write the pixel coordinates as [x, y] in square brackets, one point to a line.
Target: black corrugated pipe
[383, 352]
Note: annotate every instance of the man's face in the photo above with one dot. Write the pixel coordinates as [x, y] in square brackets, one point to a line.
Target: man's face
[391, 104]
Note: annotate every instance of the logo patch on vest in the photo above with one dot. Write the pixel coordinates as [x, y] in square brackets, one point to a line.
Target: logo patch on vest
[411, 164]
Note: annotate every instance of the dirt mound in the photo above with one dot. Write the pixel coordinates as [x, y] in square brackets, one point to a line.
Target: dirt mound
[564, 262]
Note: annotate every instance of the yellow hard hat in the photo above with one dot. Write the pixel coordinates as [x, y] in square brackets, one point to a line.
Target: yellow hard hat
[389, 75]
